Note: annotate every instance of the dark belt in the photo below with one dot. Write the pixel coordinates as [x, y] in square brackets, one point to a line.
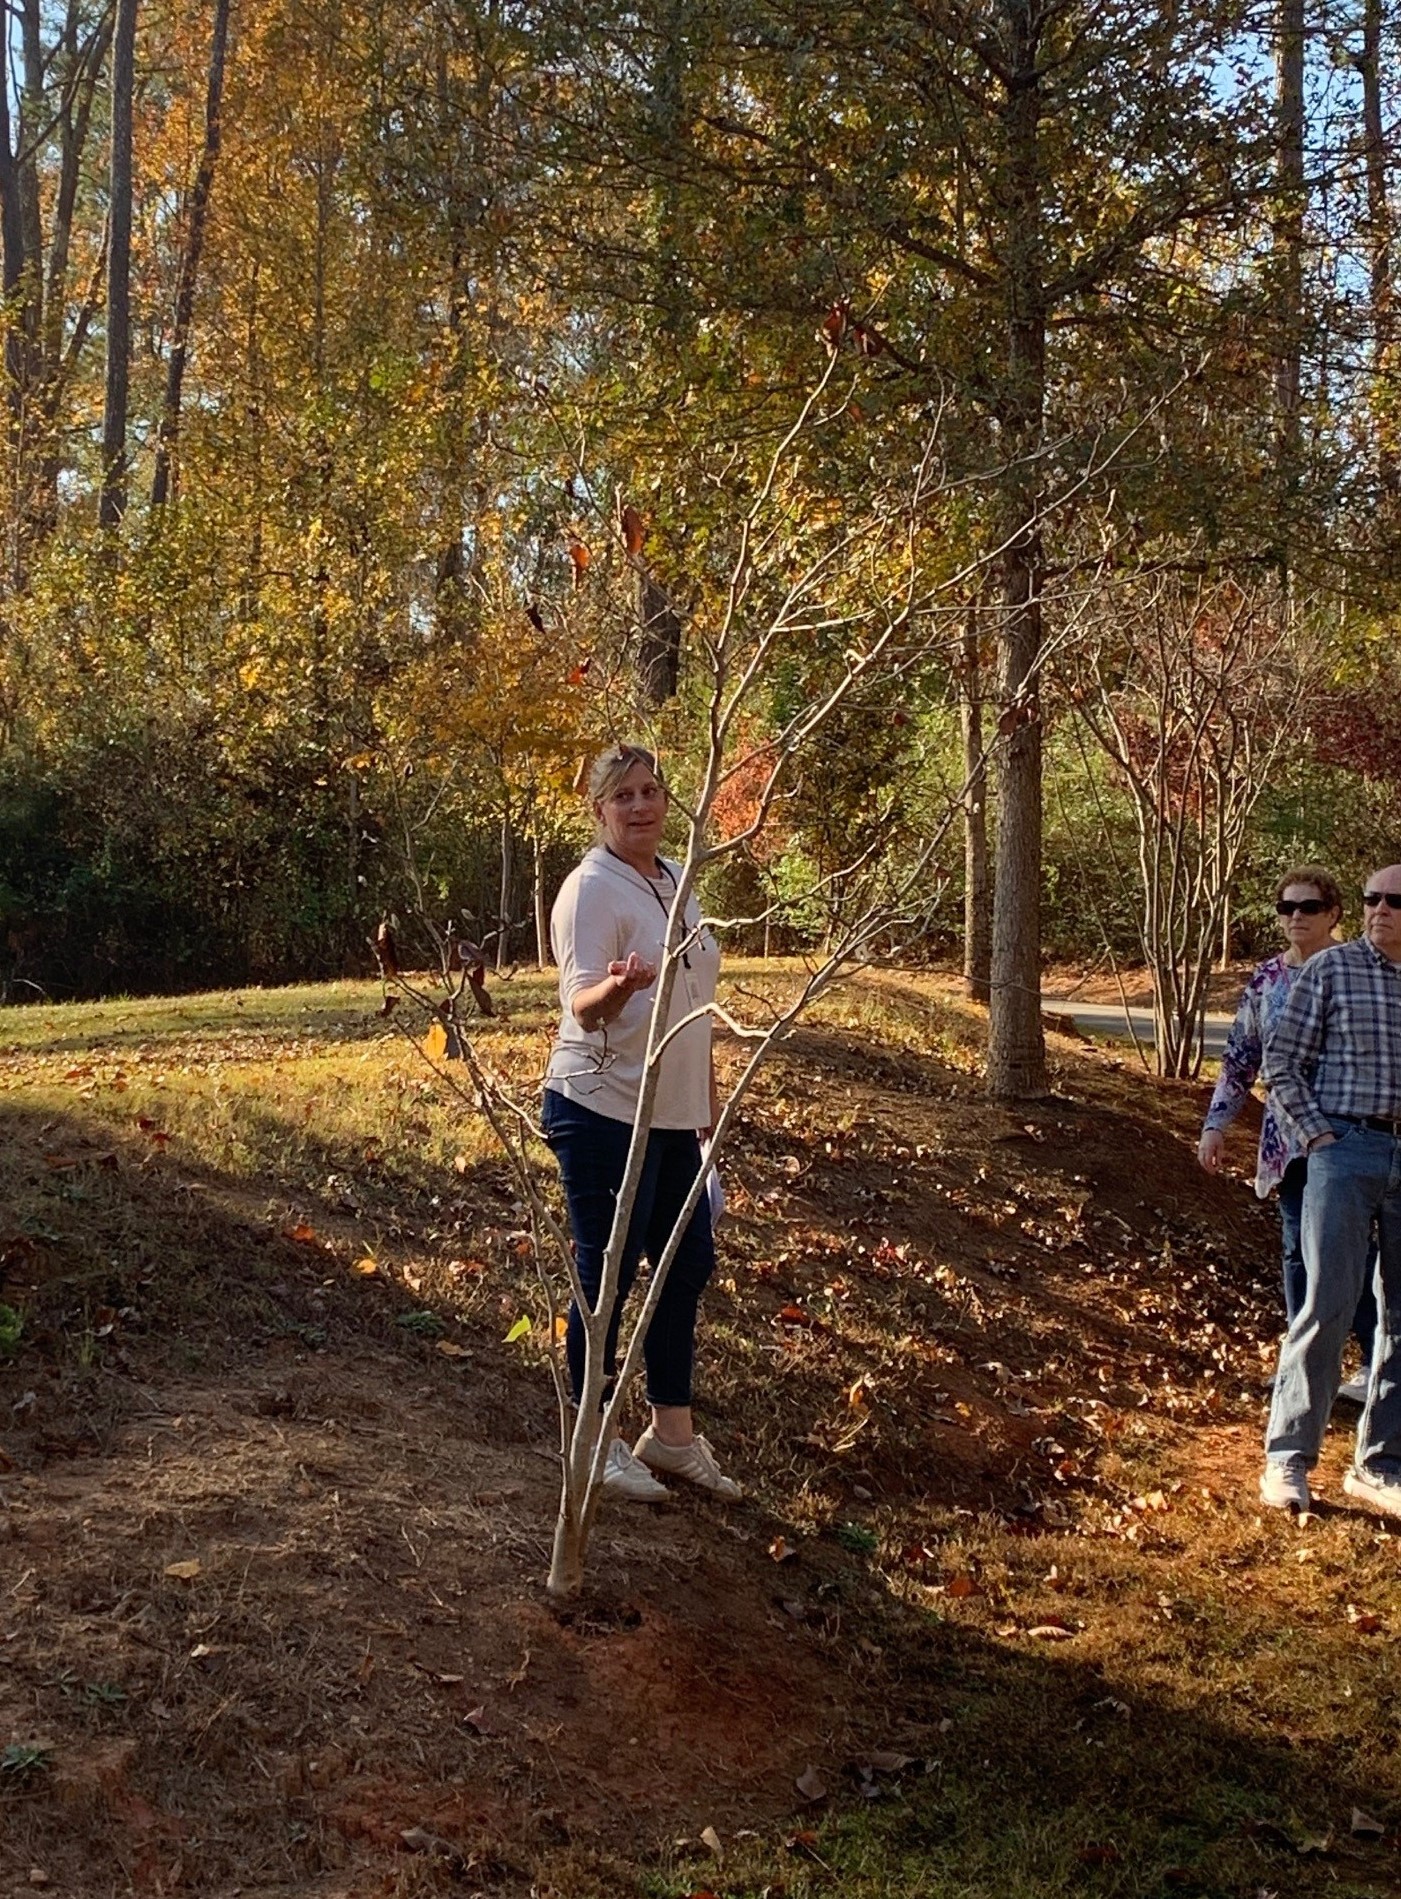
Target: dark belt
[1382, 1123]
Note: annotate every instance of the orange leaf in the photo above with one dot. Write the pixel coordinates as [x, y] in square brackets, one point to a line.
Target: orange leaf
[962, 1585]
[634, 530]
[303, 1233]
[580, 555]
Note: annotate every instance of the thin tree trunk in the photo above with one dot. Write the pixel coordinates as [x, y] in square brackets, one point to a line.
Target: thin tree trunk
[1016, 1044]
[977, 890]
[1379, 246]
[164, 478]
[507, 878]
[112, 501]
[1291, 195]
[542, 933]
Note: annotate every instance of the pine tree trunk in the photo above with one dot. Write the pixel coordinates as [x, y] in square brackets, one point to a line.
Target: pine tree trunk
[112, 500]
[1016, 1044]
[977, 890]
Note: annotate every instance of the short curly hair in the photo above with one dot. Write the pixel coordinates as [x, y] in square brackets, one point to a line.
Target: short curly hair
[1323, 881]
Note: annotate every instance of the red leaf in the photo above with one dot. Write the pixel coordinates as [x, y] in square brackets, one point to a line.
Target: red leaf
[834, 325]
[634, 530]
[580, 555]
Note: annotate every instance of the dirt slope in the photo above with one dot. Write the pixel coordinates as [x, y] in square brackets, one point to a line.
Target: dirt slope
[270, 1558]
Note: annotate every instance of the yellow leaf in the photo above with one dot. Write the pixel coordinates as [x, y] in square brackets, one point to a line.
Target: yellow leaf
[561, 1325]
[435, 1042]
[184, 1572]
[367, 1267]
[520, 1330]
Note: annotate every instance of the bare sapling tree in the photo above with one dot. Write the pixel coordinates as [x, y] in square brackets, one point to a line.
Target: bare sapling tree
[847, 605]
[1191, 683]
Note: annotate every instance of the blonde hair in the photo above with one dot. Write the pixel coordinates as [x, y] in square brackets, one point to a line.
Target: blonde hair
[610, 768]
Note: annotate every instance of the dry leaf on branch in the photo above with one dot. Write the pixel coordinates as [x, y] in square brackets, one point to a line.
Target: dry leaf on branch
[634, 530]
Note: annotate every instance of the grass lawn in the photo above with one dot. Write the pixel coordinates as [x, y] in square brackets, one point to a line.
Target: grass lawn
[998, 1617]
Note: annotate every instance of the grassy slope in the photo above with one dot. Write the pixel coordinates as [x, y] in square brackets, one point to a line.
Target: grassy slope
[994, 1378]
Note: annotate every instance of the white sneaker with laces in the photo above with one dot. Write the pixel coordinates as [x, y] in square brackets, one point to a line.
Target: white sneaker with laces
[624, 1476]
[1355, 1389]
[1383, 1493]
[694, 1462]
[1285, 1486]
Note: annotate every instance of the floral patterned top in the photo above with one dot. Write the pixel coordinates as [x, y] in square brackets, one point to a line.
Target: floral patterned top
[1264, 997]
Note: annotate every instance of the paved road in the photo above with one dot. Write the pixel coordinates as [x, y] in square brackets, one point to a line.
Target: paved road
[1107, 1018]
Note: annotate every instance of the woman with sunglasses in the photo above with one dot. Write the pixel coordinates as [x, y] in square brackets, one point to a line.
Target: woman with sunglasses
[1309, 903]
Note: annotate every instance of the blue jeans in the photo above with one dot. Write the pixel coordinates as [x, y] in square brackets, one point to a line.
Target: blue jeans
[1291, 1208]
[592, 1152]
[1351, 1184]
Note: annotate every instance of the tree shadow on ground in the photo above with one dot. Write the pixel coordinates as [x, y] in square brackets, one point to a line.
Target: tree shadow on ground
[275, 1602]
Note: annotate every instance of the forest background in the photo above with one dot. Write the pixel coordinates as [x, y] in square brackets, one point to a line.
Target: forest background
[384, 386]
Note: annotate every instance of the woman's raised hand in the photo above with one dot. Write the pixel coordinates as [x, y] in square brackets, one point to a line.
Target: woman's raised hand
[632, 975]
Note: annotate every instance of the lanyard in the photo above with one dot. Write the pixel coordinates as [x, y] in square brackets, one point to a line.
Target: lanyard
[651, 884]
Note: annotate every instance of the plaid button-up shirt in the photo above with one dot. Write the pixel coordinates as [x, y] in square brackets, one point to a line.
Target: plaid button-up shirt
[1335, 1047]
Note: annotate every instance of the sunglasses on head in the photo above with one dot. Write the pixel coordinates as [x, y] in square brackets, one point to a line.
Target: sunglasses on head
[1306, 906]
[1391, 898]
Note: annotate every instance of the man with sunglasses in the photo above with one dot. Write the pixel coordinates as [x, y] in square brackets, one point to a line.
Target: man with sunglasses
[1334, 1061]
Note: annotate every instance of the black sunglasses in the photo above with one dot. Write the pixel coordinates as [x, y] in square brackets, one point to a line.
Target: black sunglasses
[1391, 898]
[1306, 906]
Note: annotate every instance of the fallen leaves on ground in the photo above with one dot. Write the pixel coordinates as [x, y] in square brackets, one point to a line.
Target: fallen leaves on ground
[811, 1785]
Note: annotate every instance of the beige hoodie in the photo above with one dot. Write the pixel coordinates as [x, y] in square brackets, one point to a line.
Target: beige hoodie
[604, 911]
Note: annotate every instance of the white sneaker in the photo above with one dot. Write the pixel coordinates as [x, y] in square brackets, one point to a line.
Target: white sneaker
[1285, 1486]
[1383, 1493]
[1355, 1390]
[695, 1462]
[623, 1476]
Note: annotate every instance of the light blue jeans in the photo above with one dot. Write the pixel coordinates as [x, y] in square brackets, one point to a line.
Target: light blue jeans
[1351, 1183]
